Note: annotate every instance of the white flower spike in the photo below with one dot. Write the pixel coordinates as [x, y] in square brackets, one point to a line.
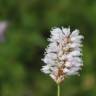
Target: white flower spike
[63, 55]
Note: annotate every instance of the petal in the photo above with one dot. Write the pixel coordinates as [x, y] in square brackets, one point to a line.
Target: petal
[51, 56]
[52, 47]
[45, 69]
[77, 38]
[48, 61]
[53, 77]
[75, 53]
[68, 64]
[74, 45]
[66, 70]
[66, 31]
[74, 33]
[56, 35]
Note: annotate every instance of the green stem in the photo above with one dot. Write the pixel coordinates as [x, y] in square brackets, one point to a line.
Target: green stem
[58, 89]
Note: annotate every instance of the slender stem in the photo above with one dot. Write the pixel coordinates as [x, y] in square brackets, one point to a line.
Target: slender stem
[58, 89]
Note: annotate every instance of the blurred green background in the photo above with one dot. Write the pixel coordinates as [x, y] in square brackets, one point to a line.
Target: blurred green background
[26, 39]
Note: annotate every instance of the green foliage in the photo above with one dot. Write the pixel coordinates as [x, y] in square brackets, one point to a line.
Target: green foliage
[29, 25]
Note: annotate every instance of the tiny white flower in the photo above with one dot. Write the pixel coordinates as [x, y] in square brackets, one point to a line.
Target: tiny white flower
[63, 54]
[46, 69]
[66, 31]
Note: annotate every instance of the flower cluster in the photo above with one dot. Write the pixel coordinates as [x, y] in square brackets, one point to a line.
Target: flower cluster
[63, 54]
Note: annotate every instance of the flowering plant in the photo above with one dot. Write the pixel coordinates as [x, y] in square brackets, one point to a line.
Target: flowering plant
[63, 55]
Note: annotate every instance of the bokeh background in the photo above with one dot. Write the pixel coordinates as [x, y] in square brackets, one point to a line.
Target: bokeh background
[25, 41]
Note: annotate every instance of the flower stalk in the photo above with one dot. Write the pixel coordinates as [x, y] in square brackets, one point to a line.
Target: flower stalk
[58, 89]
